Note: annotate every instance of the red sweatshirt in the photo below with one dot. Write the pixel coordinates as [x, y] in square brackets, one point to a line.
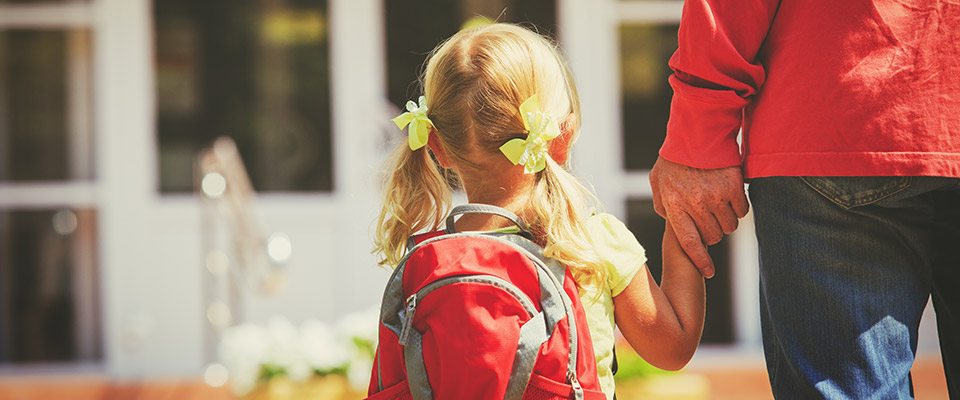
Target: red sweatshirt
[820, 87]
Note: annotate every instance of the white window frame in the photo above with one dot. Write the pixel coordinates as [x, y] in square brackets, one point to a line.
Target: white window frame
[149, 254]
[77, 193]
[137, 314]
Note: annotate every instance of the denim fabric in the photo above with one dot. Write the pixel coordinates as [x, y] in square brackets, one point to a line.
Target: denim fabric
[846, 267]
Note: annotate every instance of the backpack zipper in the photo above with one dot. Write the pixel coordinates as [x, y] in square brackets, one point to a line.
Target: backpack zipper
[408, 312]
[577, 389]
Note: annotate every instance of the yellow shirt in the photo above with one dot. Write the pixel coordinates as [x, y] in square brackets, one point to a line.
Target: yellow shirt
[623, 256]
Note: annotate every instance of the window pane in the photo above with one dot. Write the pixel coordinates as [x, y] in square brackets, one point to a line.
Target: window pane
[45, 129]
[410, 38]
[49, 296]
[254, 71]
[644, 52]
[648, 228]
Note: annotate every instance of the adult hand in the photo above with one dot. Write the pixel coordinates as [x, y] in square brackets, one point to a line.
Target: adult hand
[701, 204]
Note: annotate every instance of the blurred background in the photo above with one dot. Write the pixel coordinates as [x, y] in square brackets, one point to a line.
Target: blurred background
[131, 246]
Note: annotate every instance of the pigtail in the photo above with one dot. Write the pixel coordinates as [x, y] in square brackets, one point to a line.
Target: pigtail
[560, 204]
[415, 197]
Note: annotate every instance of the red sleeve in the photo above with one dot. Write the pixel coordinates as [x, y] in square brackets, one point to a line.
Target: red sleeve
[716, 73]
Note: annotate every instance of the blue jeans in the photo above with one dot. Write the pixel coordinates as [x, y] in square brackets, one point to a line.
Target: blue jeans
[846, 267]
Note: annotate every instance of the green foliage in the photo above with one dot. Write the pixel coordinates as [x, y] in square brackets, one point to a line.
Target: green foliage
[333, 371]
[269, 371]
[365, 347]
[632, 366]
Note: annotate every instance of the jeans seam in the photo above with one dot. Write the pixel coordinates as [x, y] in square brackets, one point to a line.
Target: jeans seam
[775, 357]
[833, 196]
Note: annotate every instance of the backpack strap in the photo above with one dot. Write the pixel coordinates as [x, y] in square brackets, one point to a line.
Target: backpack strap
[414, 240]
[553, 297]
[416, 370]
[532, 335]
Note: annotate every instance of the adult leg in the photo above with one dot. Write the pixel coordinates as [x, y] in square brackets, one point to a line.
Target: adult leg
[946, 283]
[843, 284]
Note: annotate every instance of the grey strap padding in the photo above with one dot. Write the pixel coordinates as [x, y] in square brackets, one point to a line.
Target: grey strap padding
[473, 208]
[393, 301]
[551, 299]
[532, 335]
[416, 370]
[557, 269]
[411, 242]
[390, 305]
[551, 271]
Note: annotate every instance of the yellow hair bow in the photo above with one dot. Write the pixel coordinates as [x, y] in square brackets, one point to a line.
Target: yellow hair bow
[416, 117]
[541, 128]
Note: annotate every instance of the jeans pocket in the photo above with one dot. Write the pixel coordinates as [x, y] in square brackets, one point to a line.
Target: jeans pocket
[855, 191]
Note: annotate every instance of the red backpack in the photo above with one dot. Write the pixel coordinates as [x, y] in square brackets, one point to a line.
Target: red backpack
[482, 315]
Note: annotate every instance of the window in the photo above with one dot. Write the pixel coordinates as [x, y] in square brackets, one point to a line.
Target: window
[45, 129]
[411, 35]
[49, 310]
[254, 71]
[49, 294]
[648, 227]
[645, 49]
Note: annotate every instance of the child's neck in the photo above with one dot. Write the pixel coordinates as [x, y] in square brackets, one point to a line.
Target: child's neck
[512, 198]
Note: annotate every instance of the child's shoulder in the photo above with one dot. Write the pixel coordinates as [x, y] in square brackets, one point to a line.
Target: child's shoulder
[601, 225]
[617, 247]
[610, 235]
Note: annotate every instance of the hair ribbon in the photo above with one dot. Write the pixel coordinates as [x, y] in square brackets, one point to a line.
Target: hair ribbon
[541, 127]
[416, 117]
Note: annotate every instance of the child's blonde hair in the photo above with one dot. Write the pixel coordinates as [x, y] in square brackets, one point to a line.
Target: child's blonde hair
[474, 84]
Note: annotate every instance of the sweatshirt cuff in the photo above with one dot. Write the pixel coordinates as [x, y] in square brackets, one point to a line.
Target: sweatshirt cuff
[703, 126]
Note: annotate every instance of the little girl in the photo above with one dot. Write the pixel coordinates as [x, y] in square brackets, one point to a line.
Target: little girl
[499, 115]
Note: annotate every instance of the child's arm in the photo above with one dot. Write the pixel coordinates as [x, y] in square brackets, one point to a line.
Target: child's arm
[663, 323]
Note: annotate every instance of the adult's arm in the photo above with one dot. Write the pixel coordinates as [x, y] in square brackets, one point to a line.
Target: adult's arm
[697, 182]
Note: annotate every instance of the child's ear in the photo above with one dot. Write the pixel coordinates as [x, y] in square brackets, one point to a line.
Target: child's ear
[560, 146]
[434, 143]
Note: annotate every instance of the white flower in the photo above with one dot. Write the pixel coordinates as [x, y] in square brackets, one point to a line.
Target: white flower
[299, 370]
[362, 325]
[359, 373]
[242, 350]
[244, 379]
[320, 347]
[362, 330]
[246, 349]
[282, 350]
